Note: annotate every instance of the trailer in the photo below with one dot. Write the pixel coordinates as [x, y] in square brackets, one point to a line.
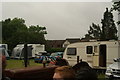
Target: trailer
[37, 49]
[4, 50]
[33, 49]
[5, 46]
[98, 54]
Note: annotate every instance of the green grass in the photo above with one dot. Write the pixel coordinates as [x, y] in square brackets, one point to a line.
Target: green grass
[101, 76]
[13, 64]
[16, 64]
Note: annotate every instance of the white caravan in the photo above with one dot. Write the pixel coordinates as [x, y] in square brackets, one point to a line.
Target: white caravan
[33, 49]
[4, 49]
[5, 46]
[96, 53]
[37, 49]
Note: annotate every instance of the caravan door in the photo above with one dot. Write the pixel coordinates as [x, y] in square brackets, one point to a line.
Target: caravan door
[95, 55]
[92, 55]
[102, 55]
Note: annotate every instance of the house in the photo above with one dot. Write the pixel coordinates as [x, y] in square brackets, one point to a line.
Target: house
[61, 43]
[70, 40]
[55, 43]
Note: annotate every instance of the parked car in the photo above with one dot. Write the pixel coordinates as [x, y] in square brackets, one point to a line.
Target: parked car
[57, 54]
[113, 71]
[39, 58]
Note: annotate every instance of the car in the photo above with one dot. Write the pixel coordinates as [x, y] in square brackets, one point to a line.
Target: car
[57, 54]
[43, 56]
[40, 59]
[113, 71]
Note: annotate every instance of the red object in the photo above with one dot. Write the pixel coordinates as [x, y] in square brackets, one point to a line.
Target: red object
[3, 59]
[3, 62]
[52, 62]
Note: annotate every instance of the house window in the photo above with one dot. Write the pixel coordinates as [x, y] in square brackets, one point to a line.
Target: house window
[71, 51]
[89, 49]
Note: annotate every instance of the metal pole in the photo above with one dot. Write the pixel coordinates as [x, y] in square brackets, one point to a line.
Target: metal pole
[25, 55]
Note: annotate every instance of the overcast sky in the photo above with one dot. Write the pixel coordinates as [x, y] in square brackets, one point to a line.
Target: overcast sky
[62, 20]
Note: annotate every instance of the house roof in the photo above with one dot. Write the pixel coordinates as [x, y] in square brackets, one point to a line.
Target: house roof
[73, 40]
[55, 41]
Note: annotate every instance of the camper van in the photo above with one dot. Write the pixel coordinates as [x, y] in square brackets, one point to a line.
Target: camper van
[96, 53]
[33, 49]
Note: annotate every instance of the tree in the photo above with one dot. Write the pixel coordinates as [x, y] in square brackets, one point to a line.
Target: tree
[109, 30]
[116, 7]
[94, 32]
[0, 32]
[11, 29]
[15, 31]
[37, 34]
[5, 30]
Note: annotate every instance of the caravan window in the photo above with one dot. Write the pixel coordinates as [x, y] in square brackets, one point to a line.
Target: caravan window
[4, 46]
[95, 49]
[89, 49]
[71, 51]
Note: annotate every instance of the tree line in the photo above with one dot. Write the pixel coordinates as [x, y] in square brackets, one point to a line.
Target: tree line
[15, 31]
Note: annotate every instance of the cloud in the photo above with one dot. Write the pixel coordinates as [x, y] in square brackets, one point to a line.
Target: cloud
[62, 19]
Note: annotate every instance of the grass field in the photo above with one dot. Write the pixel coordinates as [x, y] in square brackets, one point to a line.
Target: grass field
[13, 64]
[101, 76]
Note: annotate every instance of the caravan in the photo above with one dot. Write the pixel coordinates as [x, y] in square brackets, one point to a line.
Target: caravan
[4, 49]
[33, 49]
[5, 46]
[96, 53]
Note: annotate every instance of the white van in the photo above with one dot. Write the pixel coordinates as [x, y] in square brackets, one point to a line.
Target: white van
[96, 53]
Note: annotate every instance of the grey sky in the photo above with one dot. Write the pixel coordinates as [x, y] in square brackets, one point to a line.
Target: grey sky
[62, 20]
